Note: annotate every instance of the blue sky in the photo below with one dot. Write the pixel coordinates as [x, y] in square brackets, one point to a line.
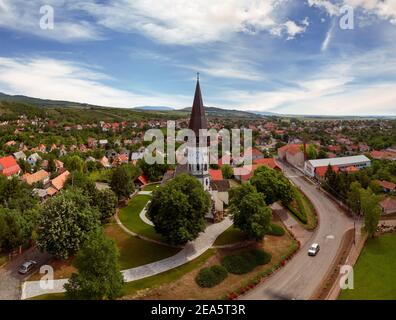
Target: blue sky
[286, 56]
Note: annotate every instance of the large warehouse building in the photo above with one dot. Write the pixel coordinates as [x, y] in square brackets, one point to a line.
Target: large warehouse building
[315, 168]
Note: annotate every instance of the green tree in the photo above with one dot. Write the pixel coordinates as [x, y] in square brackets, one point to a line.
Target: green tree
[354, 197]
[178, 209]
[99, 275]
[75, 163]
[273, 185]
[249, 211]
[106, 202]
[64, 223]
[154, 172]
[122, 182]
[227, 171]
[371, 210]
[51, 165]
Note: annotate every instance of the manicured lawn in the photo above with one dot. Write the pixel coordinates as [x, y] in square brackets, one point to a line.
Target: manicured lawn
[129, 217]
[151, 187]
[374, 272]
[168, 276]
[135, 252]
[230, 236]
[306, 209]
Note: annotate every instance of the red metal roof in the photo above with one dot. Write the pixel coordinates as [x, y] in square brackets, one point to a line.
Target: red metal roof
[216, 174]
[9, 166]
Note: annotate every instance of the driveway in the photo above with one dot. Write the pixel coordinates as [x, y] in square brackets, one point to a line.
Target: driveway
[10, 279]
[302, 276]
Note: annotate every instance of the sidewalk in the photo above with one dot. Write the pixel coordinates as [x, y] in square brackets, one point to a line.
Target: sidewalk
[291, 224]
[190, 252]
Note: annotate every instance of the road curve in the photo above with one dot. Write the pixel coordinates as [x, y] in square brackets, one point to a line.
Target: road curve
[303, 274]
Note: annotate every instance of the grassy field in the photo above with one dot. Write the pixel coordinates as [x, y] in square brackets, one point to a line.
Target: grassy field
[129, 217]
[374, 272]
[306, 209]
[101, 175]
[3, 258]
[151, 187]
[230, 236]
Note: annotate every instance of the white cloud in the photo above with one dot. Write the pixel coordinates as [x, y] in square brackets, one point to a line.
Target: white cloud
[24, 16]
[293, 29]
[186, 22]
[328, 38]
[384, 9]
[67, 80]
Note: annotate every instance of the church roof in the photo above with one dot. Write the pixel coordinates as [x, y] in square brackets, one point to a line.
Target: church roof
[198, 118]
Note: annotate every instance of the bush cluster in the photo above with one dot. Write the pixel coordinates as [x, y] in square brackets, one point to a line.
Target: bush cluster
[245, 261]
[212, 276]
[276, 230]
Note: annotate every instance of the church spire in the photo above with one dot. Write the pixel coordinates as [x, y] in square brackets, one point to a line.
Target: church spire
[198, 118]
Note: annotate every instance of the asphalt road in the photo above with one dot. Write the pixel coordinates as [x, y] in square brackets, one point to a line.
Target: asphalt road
[11, 280]
[301, 277]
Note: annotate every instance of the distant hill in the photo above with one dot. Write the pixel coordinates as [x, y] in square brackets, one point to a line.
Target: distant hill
[219, 112]
[41, 102]
[155, 108]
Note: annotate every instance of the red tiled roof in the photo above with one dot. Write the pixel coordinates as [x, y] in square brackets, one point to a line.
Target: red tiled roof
[216, 174]
[9, 166]
[351, 169]
[35, 177]
[60, 180]
[321, 171]
[269, 162]
[388, 204]
[386, 184]
[291, 148]
[142, 179]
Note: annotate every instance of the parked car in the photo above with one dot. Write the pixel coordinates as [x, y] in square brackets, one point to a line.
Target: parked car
[27, 267]
[313, 250]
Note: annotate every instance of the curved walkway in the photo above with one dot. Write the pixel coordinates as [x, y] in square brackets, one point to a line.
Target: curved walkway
[191, 251]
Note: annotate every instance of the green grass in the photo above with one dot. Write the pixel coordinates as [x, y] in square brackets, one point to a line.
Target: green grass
[101, 175]
[130, 218]
[306, 210]
[151, 187]
[136, 252]
[168, 276]
[374, 272]
[3, 258]
[230, 236]
[131, 288]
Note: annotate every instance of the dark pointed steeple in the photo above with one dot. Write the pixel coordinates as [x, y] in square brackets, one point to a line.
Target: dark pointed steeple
[198, 118]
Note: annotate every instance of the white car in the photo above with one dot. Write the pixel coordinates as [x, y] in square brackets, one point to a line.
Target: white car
[313, 250]
[27, 267]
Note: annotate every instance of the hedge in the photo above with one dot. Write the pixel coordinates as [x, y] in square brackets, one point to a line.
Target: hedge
[246, 261]
[212, 276]
[276, 230]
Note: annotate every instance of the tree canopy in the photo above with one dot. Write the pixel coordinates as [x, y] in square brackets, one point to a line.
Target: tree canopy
[273, 185]
[178, 209]
[249, 211]
[99, 275]
[64, 223]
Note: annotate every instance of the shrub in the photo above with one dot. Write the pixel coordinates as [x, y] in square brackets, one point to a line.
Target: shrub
[276, 230]
[300, 214]
[246, 261]
[210, 277]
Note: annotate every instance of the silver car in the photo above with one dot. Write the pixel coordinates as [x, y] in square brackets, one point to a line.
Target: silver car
[27, 267]
[313, 250]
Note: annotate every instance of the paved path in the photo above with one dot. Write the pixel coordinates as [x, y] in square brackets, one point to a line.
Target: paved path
[191, 251]
[291, 224]
[303, 274]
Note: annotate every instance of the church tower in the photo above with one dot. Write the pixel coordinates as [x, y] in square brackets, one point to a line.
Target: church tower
[198, 151]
